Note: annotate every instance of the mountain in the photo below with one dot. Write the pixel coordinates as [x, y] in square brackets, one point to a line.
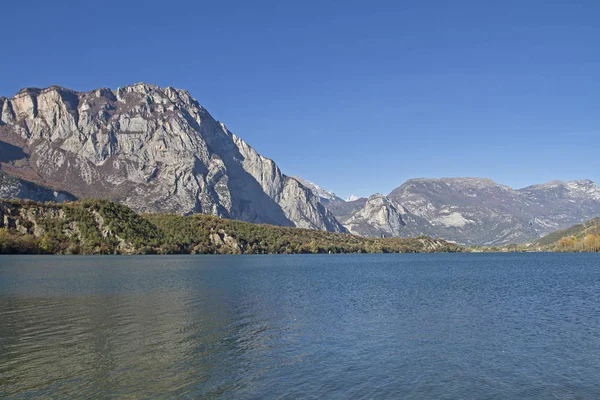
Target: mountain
[153, 149]
[559, 205]
[481, 212]
[471, 211]
[158, 150]
[467, 210]
[378, 216]
[345, 210]
[464, 210]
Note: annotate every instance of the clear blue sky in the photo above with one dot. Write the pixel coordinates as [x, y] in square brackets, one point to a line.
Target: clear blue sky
[357, 96]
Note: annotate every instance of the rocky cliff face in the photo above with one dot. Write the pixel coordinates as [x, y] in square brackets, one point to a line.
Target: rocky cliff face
[380, 217]
[153, 149]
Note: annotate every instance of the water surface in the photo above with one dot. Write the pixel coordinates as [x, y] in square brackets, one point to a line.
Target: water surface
[453, 326]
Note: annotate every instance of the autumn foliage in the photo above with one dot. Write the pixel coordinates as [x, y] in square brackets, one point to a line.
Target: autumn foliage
[589, 243]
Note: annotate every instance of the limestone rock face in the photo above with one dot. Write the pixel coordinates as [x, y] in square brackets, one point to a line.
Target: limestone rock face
[153, 149]
[380, 216]
[304, 207]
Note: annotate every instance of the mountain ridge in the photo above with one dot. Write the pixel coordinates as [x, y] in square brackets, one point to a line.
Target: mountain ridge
[158, 150]
[154, 149]
[475, 211]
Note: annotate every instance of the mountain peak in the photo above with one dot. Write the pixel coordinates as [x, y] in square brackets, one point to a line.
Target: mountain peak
[154, 149]
[35, 91]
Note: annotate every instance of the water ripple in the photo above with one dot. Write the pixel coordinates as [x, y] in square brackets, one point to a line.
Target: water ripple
[384, 326]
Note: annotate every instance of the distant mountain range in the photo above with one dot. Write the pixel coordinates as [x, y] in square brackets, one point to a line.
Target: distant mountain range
[471, 211]
[158, 150]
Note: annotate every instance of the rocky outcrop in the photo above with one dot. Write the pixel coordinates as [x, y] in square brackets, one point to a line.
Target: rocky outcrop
[380, 217]
[36, 219]
[153, 149]
[302, 206]
[221, 239]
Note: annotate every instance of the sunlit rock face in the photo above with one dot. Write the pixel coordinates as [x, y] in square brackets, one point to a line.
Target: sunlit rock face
[153, 149]
[379, 217]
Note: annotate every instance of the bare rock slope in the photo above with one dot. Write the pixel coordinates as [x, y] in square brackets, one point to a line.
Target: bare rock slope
[153, 149]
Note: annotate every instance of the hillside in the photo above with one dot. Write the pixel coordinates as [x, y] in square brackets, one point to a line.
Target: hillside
[104, 227]
[581, 237]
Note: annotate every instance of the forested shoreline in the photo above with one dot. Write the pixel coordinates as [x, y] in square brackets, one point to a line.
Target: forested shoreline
[105, 227]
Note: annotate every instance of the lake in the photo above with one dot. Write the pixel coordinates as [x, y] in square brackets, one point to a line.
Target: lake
[410, 326]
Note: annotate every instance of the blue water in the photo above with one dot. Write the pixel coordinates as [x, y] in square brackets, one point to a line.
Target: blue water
[439, 326]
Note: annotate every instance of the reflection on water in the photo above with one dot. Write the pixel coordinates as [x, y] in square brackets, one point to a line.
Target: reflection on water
[409, 326]
[58, 339]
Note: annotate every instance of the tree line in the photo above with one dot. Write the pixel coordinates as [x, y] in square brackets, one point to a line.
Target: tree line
[589, 243]
[105, 227]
